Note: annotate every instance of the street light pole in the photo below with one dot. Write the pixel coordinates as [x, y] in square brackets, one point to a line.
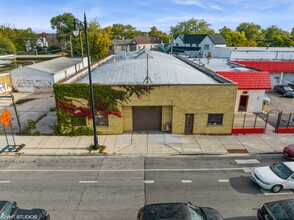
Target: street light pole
[76, 33]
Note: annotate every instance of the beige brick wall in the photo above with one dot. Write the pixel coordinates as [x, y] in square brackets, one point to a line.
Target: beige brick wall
[199, 100]
[176, 101]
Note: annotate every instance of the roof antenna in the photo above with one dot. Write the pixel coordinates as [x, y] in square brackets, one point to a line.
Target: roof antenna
[147, 78]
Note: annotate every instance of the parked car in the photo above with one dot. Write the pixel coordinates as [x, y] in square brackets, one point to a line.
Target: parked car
[289, 151]
[183, 211]
[276, 177]
[284, 90]
[9, 211]
[291, 85]
[277, 210]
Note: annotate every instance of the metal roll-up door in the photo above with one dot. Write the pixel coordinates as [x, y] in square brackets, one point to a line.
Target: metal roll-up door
[147, 118]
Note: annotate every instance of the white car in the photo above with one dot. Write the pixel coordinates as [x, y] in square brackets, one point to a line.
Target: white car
[276, 177]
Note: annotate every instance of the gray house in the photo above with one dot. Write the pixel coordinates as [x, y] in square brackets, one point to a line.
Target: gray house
[118, 45]
[135, 44]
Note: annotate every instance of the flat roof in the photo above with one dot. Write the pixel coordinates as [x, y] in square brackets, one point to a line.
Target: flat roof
[55, 65]
[218, 64]
[132, 68]
[260, 49]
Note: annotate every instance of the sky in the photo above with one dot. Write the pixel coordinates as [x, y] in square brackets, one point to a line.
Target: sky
[143, 14]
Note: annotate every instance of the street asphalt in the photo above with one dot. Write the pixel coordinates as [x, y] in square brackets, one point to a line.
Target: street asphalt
[40, 109]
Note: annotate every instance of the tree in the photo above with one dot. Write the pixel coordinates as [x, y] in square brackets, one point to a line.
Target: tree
[119, 31]
[192, 26]
[99, 40]
[63, 24]
[278, 37]
[18, 36]
[154, 32]
[236, 38]
[252, 31]
[6, 46]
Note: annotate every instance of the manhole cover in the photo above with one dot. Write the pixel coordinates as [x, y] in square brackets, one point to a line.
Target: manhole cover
[237, 151]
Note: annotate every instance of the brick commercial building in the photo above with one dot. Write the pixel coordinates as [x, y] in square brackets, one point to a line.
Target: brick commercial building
[183, 99]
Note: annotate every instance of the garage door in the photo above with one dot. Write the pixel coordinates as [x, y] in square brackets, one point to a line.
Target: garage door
[147, 118]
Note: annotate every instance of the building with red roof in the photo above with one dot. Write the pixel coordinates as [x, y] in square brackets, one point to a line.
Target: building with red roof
[281, 72]
[251, 83]
[251, 89]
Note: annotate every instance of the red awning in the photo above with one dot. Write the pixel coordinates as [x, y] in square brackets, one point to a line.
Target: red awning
[249, 80]
[271, 66]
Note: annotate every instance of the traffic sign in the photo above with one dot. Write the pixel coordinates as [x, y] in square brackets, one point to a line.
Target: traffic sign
[6, 117]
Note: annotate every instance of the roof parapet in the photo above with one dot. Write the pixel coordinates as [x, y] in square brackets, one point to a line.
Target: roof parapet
[206, 71]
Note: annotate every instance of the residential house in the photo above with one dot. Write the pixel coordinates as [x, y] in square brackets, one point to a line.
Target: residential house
[205, 41]
[138, 43]
[119, 45]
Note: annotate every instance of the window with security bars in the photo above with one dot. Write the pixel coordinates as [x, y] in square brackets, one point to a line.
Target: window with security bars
[102, 120]
[215, 119]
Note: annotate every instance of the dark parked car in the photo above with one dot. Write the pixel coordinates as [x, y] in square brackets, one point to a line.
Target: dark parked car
[291, 85]
[179, 211]
[10, 211]
[284, 90]
[277, 210]
[289, 151]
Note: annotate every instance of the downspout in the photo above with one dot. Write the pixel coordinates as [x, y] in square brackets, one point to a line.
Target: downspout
[281, 78]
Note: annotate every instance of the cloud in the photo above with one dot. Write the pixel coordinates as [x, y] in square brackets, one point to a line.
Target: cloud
[217, 7]
[189, 2]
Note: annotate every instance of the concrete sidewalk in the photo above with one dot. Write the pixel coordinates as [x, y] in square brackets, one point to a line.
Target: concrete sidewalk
[37, 107]
[151, 144]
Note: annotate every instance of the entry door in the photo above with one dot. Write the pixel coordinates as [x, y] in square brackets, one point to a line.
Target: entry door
[243, 103]
[189, 122]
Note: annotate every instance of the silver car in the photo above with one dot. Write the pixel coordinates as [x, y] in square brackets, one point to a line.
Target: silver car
[276, 177]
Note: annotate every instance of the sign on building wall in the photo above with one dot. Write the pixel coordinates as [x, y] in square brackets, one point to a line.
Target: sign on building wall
[5, 84]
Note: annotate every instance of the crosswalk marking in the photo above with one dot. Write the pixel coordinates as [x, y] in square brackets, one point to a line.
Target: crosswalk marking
[247, 161]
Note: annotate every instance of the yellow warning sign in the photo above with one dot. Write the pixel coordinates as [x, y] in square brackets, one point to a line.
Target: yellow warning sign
[6, 117]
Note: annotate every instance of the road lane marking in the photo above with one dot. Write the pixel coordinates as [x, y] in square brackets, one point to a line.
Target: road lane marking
[248, 169]
[270, 193]
[5, 181]
[186, 181]
[223, 181]
[247, 161]
[148, 181]
[88, 181]
[130, 170]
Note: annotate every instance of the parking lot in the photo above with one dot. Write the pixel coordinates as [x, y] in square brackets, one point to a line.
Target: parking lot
[277, 104]
[280, 102]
